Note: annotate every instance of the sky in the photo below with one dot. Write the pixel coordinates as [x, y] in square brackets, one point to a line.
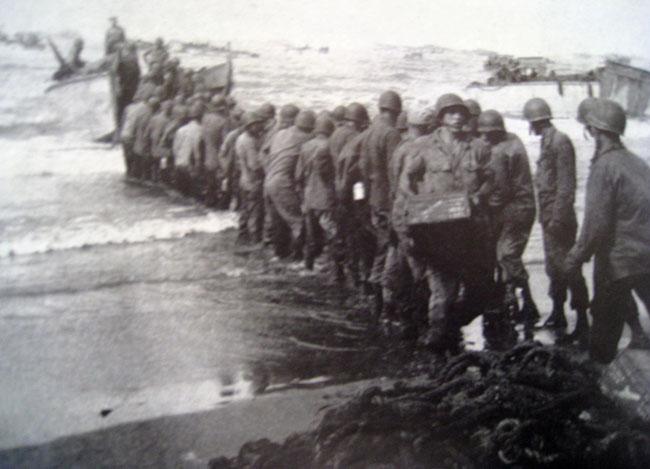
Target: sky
[523, 27]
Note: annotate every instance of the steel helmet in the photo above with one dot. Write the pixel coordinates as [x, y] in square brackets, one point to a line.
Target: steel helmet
[357, 113]
[608, 115]
[586, 106]
[338, 114]
[324, 125]
[536, 109]
[473, 107]
[401, 124]
[267, 110]
[289, 112]
[305, 120]
[391, 101]
[218, 102]
[447, 101]
[196, 110]
[251, 118]
[420, 117]
[490, 121]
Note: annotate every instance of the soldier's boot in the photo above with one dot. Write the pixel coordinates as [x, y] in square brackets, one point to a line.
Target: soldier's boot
[529, 310]
[309, 262]
[557, 319]
[640, 340]
[580, 334]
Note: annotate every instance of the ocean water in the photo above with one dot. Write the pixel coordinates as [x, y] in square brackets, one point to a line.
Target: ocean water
[58, 190]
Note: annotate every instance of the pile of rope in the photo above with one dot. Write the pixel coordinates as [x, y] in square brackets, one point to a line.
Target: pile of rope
[532, 406]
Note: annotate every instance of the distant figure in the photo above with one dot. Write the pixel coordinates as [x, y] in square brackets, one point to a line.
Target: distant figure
[74, 63]
[158, 54]
[125, 77]
[115, 37]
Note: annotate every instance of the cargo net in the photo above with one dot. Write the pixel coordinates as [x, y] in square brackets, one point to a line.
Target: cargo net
[532, 406]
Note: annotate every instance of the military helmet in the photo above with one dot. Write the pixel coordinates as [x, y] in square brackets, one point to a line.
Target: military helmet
[586, 106]
[607, 115]
[357, 113]
[473, 107]
[391, 101]
[338, 114]
[324, 125]
[251, 118]
[420, 117]
[218, 101]
[289, 112]
[490, 121]
[401, 122]
[267, 110]
[536, 109]
[305, 120]
[196, 110]
[447, 101]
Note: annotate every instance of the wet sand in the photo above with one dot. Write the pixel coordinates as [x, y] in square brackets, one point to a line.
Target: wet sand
[168, 353]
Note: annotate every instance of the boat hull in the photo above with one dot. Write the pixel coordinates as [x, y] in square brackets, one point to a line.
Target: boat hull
[509, 99]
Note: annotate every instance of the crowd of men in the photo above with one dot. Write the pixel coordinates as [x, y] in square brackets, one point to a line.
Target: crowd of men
[427, 213]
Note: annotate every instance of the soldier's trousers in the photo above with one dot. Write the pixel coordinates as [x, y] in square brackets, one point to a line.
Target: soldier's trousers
[355, 234]
[380, 220]
[183, 180]
[609, 309]
[512, 235]
[321, 229]
[556, 249]
[127, 149]
[251, 215]
[287, 218]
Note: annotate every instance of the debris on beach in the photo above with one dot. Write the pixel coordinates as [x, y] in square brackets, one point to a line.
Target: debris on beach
[532, 406]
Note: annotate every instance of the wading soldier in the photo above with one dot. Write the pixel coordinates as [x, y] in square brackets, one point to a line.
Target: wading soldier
[512, 211]
[555, 181]
[615, 230]
[377, 147]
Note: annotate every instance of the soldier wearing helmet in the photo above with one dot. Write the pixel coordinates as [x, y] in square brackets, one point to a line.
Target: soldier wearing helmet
[555, 181]
[156, 131]
[188, 151]
[251, 180]
[280, 189]
[615, 229]
[215, 124]
[398, 279]
[114, 38]
[449, 162]
[315, 179]
[512, 205]
[345, 144]
[377, 148]
[338, 116]
[474, 112]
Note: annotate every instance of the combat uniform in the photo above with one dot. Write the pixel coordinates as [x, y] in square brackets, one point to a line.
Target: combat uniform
[251, 217]
[188, 152]
[616, 231]
[555, 181]
[214, 132]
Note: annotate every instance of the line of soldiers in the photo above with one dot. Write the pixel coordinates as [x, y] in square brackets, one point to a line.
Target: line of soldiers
[363, 193]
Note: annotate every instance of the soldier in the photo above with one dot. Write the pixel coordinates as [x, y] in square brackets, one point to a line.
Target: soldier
[124, 79]
[188, 151]
[448, 162]
[247, 149]
[141, 147]
[280, 188]
[555, 181]
[474, 113]
[377, 149]
[132, 114]
[315, 175]
[158, 54]
[155, 132]
[229, 170]
[615, 230]
[167, 163]
[338, 116]
[513, 211]
[355, 231]
[214, 124]
[114, 38]
[401, 273]
[287, 117]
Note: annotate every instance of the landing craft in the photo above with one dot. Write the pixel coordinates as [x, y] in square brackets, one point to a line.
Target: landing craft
[90, 85]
